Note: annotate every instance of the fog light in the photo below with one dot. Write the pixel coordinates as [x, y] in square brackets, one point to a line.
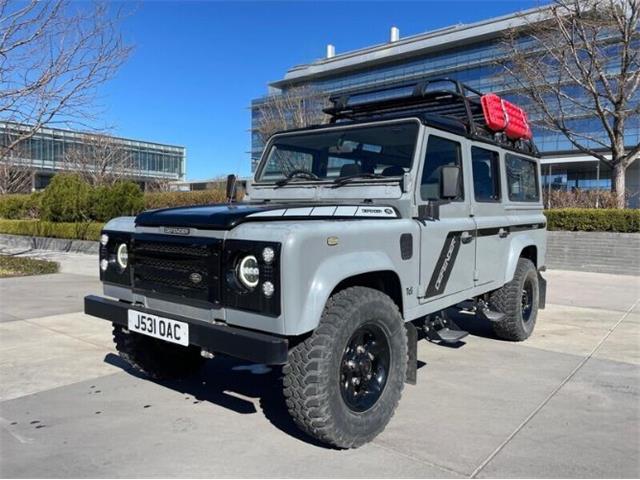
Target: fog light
[122, 256]
[104, 264]
[268, 289]
[104, 239]
[268, 255]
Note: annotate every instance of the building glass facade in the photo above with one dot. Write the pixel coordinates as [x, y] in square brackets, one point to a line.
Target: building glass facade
[47, 152]
[468, 53]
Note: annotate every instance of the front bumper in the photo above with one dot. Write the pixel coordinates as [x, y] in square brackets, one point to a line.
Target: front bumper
[236, 342]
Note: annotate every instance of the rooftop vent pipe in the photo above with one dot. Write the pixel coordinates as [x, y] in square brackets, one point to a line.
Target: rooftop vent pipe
[395, 34]
[331, 51]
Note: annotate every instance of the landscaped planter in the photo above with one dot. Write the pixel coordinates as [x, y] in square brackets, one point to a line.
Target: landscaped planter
[45, 243]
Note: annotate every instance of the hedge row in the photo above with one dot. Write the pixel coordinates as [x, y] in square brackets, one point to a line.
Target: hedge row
[179, 199]
[594, 220]
[38, 228]
[101, 203]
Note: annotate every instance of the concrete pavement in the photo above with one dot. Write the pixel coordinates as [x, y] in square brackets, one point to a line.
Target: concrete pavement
[564, 403]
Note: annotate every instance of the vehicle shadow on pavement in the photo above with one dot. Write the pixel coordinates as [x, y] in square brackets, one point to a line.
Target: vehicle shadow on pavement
[232, 384]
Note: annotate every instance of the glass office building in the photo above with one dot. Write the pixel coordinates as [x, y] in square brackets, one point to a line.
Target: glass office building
[47, 152]
[464, 52]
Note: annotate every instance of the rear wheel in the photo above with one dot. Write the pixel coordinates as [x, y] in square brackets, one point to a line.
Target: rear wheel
[155, 358]
[343, 383]
[518, 300]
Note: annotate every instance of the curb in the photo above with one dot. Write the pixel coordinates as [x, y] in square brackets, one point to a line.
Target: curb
[47, 243]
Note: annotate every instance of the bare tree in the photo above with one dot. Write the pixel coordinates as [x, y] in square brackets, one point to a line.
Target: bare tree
[15, 179]
[100, 160]
[579, 64]
[296, 107]
[53, 57]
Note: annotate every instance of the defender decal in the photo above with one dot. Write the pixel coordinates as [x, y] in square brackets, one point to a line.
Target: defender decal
[445, 263]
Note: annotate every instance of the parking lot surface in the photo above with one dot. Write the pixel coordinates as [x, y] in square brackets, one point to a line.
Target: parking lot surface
[565, 403]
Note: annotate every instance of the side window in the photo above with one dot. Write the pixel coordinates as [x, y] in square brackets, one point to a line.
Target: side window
[522, 179]
[486, 174]
[440, 152]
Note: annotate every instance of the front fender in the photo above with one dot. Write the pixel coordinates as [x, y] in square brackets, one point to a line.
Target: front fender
[303, 316]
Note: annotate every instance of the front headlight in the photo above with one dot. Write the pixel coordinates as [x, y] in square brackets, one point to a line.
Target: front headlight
[122, 256]
[248, 271]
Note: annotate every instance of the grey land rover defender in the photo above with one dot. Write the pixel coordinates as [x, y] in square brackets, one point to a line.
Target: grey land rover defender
[355, 238]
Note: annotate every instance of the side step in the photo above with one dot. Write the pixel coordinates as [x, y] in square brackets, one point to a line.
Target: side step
[483, 311]
[446, 335]
[440, 328]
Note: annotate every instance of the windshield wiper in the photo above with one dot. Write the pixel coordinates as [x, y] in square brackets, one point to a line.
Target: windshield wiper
[340, 181]
[301, 174]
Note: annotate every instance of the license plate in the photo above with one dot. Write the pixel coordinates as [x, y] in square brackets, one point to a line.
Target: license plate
[159, 327]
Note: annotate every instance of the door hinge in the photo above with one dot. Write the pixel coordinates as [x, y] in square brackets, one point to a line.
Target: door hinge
[476, 276]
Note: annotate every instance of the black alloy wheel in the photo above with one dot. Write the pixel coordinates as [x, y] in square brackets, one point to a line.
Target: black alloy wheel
[364, 368]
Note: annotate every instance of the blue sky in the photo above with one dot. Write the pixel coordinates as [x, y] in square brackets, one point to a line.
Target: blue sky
[197, 65]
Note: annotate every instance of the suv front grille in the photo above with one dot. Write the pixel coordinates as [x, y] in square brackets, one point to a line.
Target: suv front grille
[184, 267]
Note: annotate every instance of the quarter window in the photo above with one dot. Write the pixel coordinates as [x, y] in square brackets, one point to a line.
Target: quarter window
[486, 175]
[522, 179]
[440, 152]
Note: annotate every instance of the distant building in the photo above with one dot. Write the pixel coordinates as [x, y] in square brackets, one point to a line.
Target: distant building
[207, 184]
[48, 152]
[464, 52]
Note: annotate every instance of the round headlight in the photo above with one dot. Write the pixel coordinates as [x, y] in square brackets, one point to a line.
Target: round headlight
[104, 239]
[248, 271]
[268, 289]
[122, 255]
[268, 255]
[104, 264]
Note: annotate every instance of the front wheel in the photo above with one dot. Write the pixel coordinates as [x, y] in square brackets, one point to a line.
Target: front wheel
[518, 300]
[343, 383]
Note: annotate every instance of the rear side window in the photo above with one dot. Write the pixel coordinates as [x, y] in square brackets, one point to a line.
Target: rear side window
[440, 152]
[486, 175]
[522, 179]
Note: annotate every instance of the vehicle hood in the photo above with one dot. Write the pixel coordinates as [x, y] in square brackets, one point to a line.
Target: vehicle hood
[225, 216]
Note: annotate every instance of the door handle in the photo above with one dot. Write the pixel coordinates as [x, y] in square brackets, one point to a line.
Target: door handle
[466, 237]
[503, 232]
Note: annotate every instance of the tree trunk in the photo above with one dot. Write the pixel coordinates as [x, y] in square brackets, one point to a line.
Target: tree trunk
[618, 184]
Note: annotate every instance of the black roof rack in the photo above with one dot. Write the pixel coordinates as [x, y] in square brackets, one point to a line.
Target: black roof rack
[441, 100]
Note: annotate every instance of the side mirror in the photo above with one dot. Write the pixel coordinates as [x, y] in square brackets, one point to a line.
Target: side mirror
[450, 182]
[231, 188]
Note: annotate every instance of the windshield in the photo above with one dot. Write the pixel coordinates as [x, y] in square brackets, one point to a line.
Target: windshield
[368, 151]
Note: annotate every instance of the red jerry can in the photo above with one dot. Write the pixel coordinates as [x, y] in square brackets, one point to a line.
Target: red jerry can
[504, 116]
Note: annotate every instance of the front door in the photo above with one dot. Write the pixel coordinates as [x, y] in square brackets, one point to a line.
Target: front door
[447, 249]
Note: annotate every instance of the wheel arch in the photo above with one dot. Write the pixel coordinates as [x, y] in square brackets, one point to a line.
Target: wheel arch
[385, 281]
[335, 274]
[520, 248]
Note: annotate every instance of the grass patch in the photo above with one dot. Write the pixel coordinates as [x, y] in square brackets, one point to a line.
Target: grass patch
[22, 266]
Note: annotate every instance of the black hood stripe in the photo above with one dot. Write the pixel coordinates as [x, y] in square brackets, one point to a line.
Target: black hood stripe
[227, 216]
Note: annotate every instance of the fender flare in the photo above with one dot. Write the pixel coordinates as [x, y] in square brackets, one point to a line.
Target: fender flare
[329, 274]
[518, 244]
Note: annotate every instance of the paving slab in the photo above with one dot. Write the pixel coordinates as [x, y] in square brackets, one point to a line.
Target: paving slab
[44, 295]
[574, 330]
[588, 430]
[592, 290]
[469, 399]
[35, 357]
[223, 423]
